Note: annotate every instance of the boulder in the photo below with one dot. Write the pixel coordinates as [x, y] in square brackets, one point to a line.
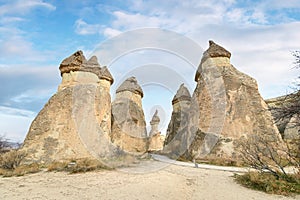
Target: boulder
[128, 120]
[76, 121]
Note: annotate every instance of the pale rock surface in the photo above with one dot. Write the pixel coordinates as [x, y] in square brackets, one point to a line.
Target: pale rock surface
[275, 104]
[291, 130]
[128, 120]
[76, 121]
[287, 126]
[156, 140]
[154, 124]
[177, 128]
[226, 106]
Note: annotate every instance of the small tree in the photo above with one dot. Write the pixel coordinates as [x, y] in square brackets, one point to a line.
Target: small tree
[290, 106]
[264, 151]
[265, 154]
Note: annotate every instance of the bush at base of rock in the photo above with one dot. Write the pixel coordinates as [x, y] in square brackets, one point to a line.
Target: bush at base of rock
[11, 160]
[77, 166]
[266, 182]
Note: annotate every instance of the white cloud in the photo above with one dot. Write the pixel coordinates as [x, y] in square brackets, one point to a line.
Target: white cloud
[9, 20]
[14, 41]
[83, 28]
[15, 46]
[110, 32]
[259, 46]
[15, 111]
[23, 7]
[15, 123]
[275, 4]
[129, 21]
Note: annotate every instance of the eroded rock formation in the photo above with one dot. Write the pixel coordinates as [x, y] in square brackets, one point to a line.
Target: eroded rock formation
[225, 106]
[291, 130]
[76, 121]
[79, 121]
[128, 120]
[228, 104]
[288, 125]
[156, 140]
[177, 128]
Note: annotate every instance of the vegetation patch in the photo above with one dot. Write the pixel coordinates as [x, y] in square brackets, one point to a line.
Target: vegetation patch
[284, 185]
[78, 166]
[10, 164]
[221, 162]
[20, 170]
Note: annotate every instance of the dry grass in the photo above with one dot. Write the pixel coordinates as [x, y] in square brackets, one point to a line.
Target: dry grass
[10, 164]
[266, 182]
[21, 170]
[222, 162]
[72, 166]
[11, 159]
[213, 160]
[125, 160]
[78, 166]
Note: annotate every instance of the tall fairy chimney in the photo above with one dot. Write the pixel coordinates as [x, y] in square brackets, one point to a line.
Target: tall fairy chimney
[128, 125]
[179, 119]
[154, 124]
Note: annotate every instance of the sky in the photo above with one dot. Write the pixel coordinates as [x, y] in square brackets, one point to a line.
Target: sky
[36, 35]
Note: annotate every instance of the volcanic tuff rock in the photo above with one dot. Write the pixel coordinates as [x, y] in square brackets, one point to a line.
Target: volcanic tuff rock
[292, 130]
[128, 120]
[76, 121]
[288, 126]
[275, 104]
[177, 127]
[154, 124]
[131, 85]
[225, 106]
[156, 140]
[79, 121]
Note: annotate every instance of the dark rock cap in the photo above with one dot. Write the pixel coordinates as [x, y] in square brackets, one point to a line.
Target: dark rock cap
[214, 50]
[77, 62]
[131, 85]
[155, 119]
[72, 63]
[92, 62]
[182, 94]
[105, 74]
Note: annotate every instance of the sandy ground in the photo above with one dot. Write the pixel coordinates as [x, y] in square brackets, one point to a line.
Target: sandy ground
[148, 180]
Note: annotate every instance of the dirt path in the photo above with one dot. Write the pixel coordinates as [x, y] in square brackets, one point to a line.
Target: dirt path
[149, 180]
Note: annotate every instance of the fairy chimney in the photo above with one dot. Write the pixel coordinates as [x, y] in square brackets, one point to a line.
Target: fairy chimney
[156, 140]
[226, 106]
[178, 123]
[154, 124]
[76, 121]
[128, 125]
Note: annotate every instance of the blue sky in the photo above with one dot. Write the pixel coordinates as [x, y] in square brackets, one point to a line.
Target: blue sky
[36, 35]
